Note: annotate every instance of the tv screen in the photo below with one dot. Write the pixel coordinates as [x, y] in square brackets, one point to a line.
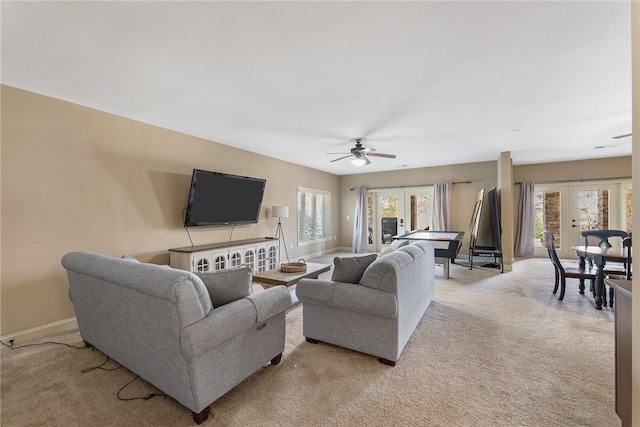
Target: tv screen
[217, 198]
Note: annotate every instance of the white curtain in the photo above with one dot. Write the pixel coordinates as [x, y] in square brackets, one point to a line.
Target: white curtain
[526, 215]
[441, 220]
[360, 232]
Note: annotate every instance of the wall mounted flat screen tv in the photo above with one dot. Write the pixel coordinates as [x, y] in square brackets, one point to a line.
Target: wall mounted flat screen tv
[218, 199]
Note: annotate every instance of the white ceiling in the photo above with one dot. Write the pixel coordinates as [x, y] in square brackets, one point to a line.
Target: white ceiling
[432, 82]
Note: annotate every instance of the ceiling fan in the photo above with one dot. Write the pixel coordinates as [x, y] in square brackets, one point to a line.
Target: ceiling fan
[360, 153]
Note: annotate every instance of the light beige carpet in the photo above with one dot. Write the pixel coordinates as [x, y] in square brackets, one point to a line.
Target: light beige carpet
[492, 350]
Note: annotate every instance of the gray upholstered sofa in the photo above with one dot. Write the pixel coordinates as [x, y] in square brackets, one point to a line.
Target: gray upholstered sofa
[194, 337]
[376, 313]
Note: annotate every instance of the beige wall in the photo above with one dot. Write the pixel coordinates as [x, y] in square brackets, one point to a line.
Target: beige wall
[74, 178]
[610, 168]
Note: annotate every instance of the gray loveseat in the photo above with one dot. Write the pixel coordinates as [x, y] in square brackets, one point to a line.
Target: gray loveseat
[194, 337]
[376, 314]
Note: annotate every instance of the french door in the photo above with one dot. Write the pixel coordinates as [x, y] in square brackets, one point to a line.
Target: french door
[566, 210]
[397, 211]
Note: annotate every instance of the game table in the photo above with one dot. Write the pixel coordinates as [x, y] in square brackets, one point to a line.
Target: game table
[446, 243]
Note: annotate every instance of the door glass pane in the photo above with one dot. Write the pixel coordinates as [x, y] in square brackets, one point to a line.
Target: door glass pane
[389, 217]
[593, 206]
[420, 211]
[547, 208]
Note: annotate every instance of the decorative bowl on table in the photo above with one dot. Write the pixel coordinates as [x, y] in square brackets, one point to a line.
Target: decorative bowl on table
[293, 267]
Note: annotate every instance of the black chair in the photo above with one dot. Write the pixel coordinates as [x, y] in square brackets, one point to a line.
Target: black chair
[602, 239]
[626, 274]
[563, 272]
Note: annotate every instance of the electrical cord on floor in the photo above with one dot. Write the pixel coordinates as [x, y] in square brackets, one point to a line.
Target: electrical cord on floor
[100, 366]
[93, 368]
[11, 346]
[145, 397]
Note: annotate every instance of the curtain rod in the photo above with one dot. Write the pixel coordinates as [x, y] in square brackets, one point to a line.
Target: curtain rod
[560, 181]
[409, 186]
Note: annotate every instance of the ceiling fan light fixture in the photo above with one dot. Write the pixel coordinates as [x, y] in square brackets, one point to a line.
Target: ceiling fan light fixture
[358, 161]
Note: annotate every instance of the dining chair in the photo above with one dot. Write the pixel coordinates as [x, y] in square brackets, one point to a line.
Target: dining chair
[562, 272]
[625, 273]
[603, 239]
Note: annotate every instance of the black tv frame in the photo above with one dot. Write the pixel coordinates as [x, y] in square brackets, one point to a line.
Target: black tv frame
[229, 188]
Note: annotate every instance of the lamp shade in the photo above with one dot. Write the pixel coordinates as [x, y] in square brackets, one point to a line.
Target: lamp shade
[280, 211]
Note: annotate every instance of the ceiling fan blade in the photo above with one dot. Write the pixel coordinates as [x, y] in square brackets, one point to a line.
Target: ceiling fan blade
[388, 156]
[621, 136]
[342, 152]
[340, 158]
[366, 159]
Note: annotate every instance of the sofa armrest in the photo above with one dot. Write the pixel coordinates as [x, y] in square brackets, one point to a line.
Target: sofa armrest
[270, 302]
[233, 319]
[347, 296]
[315, 289]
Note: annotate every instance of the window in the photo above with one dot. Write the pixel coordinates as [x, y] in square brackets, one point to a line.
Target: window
[547, 217]
[314, 215]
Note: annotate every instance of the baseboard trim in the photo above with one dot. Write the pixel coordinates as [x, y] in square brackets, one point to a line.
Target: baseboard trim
[41, 331]
[325, 252]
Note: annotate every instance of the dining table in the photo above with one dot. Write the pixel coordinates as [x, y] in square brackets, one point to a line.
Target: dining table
[600, 256]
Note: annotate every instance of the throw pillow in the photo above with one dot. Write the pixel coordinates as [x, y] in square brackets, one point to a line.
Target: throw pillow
[351, 269]
[225, 286]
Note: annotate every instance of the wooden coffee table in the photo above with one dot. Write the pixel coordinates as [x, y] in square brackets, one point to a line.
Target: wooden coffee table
[276, 277]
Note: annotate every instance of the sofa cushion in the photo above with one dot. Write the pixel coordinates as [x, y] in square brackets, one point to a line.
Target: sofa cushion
[225, 286]
[386, 249]
[397, 244]
[351, 269]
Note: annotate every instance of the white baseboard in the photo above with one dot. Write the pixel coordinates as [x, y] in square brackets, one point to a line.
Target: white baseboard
[41, 331]
[322, 253]
[345, 249]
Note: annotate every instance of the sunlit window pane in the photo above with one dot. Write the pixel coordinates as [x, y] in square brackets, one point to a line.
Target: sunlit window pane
[314, 215]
